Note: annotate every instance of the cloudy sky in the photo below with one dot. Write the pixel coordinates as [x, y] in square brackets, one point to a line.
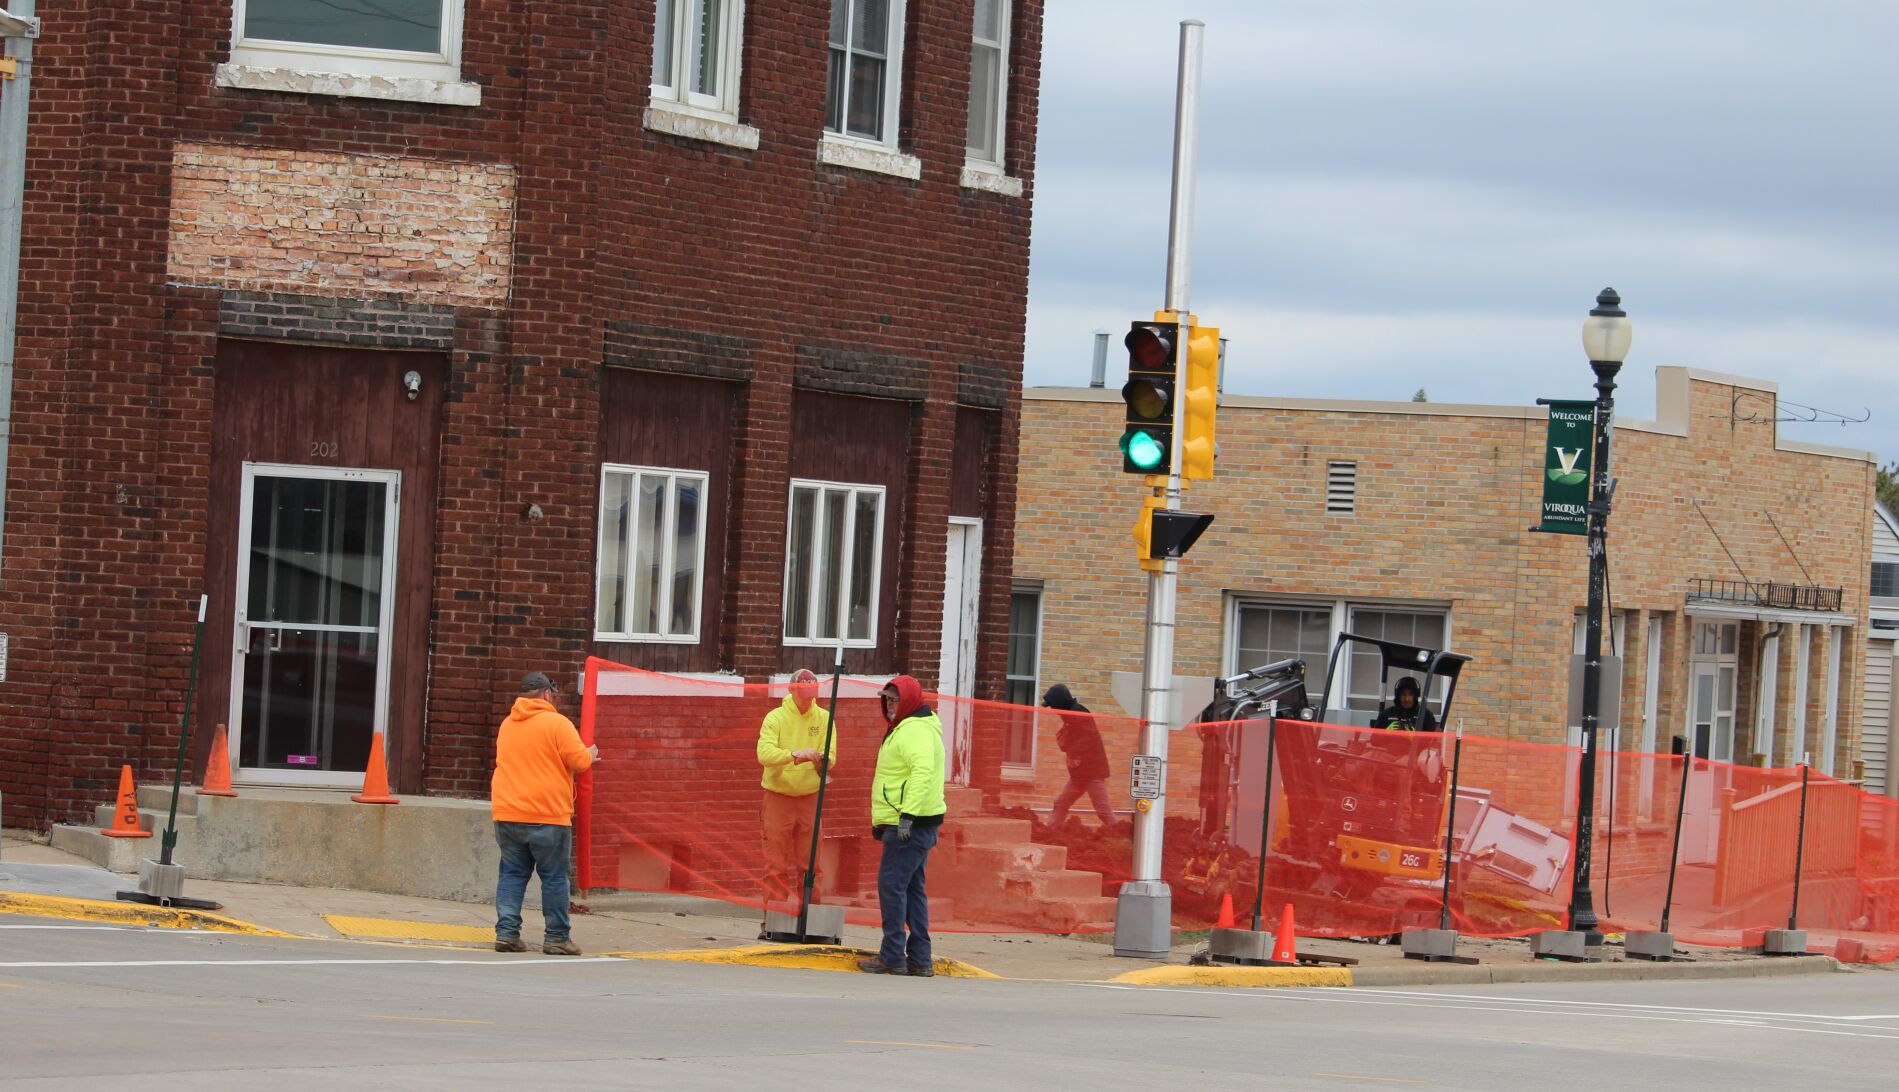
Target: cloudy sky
[1396, 194]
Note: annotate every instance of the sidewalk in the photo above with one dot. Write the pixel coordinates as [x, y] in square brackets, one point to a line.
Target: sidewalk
[666, 926]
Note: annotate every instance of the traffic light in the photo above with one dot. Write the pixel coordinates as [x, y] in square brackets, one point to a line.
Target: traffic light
[1200, 399]
[1161, 534]
[1144, 534]
[1148, 438]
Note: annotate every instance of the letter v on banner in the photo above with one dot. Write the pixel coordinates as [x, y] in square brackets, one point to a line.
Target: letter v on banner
[1566, 457]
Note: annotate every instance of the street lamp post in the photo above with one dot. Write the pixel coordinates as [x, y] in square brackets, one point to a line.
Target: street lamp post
[1606, 335]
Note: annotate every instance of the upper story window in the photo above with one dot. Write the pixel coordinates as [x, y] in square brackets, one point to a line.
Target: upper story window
[652, 554]
[1885, 579]
[696, 54]
[988, 81]
[389, 39]
[833, 561]
[866, 70]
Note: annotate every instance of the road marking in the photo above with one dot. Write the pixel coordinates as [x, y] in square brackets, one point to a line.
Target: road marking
[424, 1019]
[1616, 1005]
[897, 1042]
[1421, 1000]
[408, 930]
[309, 962]
[72, 928]
[1365, 1077]
[9, 985]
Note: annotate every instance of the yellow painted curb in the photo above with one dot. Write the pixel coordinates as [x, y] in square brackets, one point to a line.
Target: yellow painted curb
[398, 929]
[127, 913]
[809, 957]
[1238, 976]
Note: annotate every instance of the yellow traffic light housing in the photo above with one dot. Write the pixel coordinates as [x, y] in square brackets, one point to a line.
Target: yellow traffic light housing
[1144, 534]
[1200, 400]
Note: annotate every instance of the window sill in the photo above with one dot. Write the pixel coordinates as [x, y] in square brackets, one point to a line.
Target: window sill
[807, 642]
[642, 639]
[671, 119]
[298, 81]
[1018, 774]
[980, 176]
[836, 151]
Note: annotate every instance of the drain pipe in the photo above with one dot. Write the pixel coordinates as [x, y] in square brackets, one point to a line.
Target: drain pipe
[19, 28]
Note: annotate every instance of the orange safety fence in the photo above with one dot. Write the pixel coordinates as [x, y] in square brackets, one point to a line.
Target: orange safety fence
[1360, 817]
[1740, 846]
[1359, 822]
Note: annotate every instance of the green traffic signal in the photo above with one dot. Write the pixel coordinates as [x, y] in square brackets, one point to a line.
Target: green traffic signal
[1143, 451]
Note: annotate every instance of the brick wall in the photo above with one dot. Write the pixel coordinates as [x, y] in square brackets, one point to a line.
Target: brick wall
[533, 238]
[1445, 495]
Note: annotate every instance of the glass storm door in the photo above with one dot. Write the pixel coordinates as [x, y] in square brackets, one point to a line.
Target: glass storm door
[315, 583]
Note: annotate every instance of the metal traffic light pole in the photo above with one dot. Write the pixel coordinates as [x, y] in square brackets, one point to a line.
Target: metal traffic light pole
[1143, 915]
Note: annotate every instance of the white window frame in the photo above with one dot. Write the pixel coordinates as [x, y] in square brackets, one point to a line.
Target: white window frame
[893, 82]
[668, 538]
[266, 53]
[1341, 611]
[1034, 678]
[677, 95]
[1005, 16]
[842, 605]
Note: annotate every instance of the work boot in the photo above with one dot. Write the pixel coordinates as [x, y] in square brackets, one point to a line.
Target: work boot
[878, 966]
[921, 970]
[560, 947]
[509, 944]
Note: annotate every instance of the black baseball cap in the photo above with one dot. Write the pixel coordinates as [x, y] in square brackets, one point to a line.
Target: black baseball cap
[536, 680]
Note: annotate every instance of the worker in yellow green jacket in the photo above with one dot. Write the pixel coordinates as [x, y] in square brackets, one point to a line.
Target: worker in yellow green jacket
[791, 740]
[906, 808]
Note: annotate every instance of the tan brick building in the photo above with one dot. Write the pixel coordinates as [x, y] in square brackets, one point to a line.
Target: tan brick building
[1410, 520]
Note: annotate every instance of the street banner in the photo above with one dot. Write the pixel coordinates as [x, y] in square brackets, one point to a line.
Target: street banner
[1566, 468]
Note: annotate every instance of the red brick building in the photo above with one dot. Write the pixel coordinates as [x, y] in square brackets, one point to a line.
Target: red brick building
[454, 338]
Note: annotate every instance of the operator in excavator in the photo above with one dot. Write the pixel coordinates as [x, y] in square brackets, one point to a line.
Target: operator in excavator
[1407, 711]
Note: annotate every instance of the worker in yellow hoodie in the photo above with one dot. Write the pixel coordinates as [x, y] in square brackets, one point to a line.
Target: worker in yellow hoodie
[791, 740]
[537, 754]
[906, 808]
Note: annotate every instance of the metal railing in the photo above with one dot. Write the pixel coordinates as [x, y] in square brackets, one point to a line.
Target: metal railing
[1765, 594]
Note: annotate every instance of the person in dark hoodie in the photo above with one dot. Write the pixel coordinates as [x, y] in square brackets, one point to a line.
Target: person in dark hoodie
[1407, 712]
[1081, 744]
[906, 808]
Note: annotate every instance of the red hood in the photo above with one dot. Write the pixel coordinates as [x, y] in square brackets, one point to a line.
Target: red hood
[909, 696]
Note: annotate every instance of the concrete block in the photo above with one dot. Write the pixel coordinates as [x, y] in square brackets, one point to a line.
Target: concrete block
[161, 881]
[1659, 947]
[1848, 950]
[1567, 944]
[1785, 942]
[1433, 944]
[823, 924]
[1244, 946]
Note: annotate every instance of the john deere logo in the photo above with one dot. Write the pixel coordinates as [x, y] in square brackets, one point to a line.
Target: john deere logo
[1565, 473]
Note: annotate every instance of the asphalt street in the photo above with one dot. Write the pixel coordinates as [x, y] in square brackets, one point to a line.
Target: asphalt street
[85, 1006]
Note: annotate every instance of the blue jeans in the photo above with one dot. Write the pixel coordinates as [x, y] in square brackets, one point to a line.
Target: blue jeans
[525, 849]
[901, 896]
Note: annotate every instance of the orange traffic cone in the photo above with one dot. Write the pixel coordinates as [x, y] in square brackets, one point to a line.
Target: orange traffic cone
[1285, 939]
[125, 812]
[376, 777]
[1226, 913]
[217, 774]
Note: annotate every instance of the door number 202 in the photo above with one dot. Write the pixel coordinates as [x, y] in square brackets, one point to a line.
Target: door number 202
[323, 449]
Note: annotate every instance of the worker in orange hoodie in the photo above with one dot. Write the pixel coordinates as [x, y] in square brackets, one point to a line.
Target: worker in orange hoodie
[537, 754]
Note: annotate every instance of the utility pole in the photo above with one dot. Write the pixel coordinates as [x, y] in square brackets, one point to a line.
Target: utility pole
[1143, 917]
[19, 28]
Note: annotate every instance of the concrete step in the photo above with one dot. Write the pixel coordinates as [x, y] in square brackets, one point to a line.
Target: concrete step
[152, 819]
[1062, 884]
[112, 854]
[158, 798]
[1020, 857]
[962, 800]
[986, 830]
